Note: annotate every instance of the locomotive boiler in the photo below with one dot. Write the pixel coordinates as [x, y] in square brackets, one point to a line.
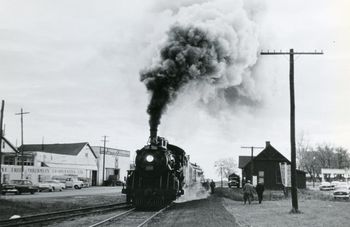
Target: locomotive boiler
[158, 177]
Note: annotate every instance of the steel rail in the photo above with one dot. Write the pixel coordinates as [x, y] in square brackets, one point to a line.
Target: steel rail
[113, 217]
[128, 212]
[150, 218]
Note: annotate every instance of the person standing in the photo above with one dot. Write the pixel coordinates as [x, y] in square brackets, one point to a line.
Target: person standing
[248, 191]
[260, 191]
[212, 186]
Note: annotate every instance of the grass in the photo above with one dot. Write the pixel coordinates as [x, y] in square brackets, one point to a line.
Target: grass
[277, 213]
[317, 209]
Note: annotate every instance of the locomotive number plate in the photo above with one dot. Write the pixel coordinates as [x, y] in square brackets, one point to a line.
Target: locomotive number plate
[149, 167]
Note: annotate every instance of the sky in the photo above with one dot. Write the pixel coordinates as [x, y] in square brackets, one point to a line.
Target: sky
[75, 66]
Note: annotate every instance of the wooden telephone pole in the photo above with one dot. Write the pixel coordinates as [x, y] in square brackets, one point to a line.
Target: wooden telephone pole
[291, 54]
[104, 159]
[251, 160]
[22, 157]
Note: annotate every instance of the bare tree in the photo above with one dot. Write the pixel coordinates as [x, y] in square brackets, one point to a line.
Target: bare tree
[343, 158]
[225, 166]
[307, 158]
[312, 160]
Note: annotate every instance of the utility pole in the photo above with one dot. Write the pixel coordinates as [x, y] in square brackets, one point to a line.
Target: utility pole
[104, 158]
[251, 159]
[22, 157]
[291, 54]
[1, 135]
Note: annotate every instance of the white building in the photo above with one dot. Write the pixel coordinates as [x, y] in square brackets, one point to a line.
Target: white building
[117, 162]
[335, 174]
[44, 161]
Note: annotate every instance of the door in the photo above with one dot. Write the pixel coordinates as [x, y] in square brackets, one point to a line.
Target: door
[94, 178]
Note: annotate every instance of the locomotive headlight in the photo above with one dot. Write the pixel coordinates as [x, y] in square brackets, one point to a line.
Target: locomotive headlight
[149, 158]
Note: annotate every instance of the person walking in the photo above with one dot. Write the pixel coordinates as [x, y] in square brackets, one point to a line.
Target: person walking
[260, 191]
[248, 191]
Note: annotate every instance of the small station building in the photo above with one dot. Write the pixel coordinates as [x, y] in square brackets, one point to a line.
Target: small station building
[271, 168]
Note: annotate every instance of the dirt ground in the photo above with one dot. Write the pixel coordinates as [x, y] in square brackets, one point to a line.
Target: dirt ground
[205, 212]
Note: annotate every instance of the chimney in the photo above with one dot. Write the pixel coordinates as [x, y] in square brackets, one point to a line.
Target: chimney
[268, 143]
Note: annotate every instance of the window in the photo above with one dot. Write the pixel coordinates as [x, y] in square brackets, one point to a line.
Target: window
[86, 154]
[9, 160]
[27, 161]
[261, 177]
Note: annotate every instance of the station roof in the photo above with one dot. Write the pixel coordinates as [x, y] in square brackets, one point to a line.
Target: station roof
[268, 154]
[243, 161]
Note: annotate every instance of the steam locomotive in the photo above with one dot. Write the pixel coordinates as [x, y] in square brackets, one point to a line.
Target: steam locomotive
[158, 177]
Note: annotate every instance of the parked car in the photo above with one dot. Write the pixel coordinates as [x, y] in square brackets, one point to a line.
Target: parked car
[19, 187]
[326, 186]
[86, 182]
[74, 183]
[50, 185]
[341, 192]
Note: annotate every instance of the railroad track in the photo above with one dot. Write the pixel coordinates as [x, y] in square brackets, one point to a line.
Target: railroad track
[130, 217]
[53, 216]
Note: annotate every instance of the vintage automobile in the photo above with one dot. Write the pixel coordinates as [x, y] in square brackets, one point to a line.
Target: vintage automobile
[74, 183]
[19, 187]
[326, 186]
[341, 192]
[86, 182]
[51, 185]
[233, 181]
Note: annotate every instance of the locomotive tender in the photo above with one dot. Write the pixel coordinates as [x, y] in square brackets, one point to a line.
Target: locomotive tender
[158, 177]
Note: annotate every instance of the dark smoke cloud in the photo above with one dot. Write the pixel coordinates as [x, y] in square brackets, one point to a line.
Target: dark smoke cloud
[189, 55]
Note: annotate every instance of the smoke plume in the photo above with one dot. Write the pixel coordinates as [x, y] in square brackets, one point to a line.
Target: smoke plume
[211, 45]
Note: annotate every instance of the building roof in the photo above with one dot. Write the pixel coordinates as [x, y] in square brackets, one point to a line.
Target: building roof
[58, 148]
[243, 161]
[271, 154]
[268, 154]
[9, 144]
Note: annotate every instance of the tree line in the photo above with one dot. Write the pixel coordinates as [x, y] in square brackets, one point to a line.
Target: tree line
[312, 159]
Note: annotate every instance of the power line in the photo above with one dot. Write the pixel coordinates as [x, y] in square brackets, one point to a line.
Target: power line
[291, 54]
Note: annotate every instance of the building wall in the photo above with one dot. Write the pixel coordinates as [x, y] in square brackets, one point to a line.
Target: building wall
[80, 165]
[114, 160]
[85, 159]
[272, 174]
[271, 171]
[35, 174]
